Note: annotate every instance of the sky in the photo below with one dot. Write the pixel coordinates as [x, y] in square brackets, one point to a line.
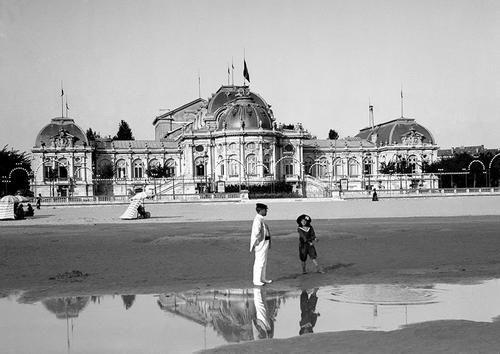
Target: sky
[317, 62]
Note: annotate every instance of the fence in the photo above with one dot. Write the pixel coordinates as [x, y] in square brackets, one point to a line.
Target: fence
[417, 193]
[206, 197]
[125, 199]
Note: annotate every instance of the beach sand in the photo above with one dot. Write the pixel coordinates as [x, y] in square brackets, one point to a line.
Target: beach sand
[190, 246]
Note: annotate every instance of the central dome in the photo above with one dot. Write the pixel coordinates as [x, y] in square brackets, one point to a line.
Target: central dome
[244, 113]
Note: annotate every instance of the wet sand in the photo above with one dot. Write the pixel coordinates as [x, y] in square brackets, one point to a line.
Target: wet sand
[205, 246]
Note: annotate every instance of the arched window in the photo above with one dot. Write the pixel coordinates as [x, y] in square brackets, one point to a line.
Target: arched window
[267, 164]
[50, 171]
[322, 168]
[353, 168]
[138, 169]
[308, 170]
[368, 166]
[220, 165]
[234, 167]
[199, 164]
[338, 168]
[63, 169]
[121, 169]
[170, 168]
[251, 163]
[288, 166]
[77, 169]
[412, 163]
[154, 163]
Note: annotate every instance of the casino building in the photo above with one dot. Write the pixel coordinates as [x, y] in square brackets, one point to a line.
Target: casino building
[231, 138]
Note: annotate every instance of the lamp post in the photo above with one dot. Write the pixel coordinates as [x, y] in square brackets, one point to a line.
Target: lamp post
[96, 187]
[5, 180]
[205, 162]
[32, 182]
[390, 175]
[465, 175]
[440, 184]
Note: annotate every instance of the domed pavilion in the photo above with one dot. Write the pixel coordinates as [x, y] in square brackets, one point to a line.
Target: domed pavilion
[231, 138]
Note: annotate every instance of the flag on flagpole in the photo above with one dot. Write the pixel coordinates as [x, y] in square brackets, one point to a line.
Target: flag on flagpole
[401, 93]
[246, 75]
[62, 92]
[67, 108]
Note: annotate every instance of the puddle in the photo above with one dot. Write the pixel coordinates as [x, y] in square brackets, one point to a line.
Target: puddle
[191, 321]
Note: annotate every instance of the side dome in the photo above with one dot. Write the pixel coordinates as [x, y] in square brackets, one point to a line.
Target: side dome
[61, 133]
[244, 113]
[401, 131]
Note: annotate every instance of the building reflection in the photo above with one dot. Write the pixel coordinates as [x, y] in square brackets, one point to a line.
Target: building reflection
[66, 307]
[237, 315]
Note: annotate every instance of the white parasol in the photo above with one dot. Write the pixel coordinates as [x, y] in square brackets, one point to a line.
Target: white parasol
[9, 199]
[21, 198]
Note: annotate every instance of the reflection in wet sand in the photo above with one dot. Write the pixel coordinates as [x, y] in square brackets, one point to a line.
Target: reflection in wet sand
[308, 314]
[66, 307]
[159, 323]
[237, 315]
[384, 294]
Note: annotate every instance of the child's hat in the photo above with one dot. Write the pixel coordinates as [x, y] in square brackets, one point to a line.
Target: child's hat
[305, 217]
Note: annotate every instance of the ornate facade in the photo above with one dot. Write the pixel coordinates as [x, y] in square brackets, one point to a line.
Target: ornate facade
[230, 138]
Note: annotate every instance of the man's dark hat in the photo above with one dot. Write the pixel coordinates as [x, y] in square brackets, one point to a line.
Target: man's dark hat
[261, 206]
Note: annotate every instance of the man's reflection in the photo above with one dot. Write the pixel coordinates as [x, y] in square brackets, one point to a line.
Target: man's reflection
[308, 314]
[263, 323]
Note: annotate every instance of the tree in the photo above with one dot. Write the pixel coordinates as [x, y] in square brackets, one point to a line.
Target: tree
[19, 179]
[333, 135]
[92, 135]
[124, 132]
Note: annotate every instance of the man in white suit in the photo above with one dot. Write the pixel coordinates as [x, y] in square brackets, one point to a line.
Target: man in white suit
[260, 243]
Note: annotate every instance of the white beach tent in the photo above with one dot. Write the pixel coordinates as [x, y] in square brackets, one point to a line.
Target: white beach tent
[135, 201]
[131, 212]
[7, 207]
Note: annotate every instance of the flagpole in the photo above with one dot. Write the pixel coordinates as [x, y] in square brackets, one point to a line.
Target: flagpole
[246, 74]
[228, 74]
[62, 100]
[232, 70]
[67, 107]
[199, 84]
[401, 100]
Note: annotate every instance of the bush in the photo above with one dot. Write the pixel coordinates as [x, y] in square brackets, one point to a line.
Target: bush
[267, 190]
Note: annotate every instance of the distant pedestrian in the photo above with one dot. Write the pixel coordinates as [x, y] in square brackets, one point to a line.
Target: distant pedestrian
[39, 201]
[307, 237]
[375, 196]
[260, 243]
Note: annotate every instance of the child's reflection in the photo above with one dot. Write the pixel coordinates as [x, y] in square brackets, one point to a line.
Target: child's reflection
[308, 316]
[263, 324]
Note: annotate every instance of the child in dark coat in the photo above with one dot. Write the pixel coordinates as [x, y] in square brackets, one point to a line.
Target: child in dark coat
[307, 237]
